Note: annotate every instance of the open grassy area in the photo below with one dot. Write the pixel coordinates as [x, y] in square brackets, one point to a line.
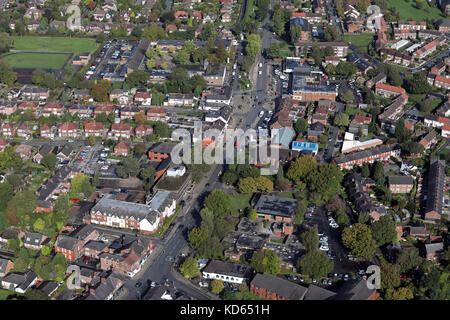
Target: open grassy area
[58, 44]
[4, 294]
[359, 40]
[36, 60]
[286, 194]
[408, 11]
[240, 201]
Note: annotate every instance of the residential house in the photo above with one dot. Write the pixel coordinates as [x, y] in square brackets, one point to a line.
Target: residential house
[400, 184]
[94, 128]
[388, 91]
[435, 194]
[121, 149]
[121, 130]
[33, 240]
[24, 150]
[19, 282]
[143, 130]
[382, 153]
[160, 151]
[5, 266]
[68, 130]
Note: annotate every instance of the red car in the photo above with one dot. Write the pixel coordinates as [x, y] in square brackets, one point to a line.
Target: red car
[76, 200]
[403, 276]
[80, 159]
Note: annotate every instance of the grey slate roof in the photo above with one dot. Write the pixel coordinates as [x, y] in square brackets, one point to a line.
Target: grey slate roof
[317, 293]
[274, 205]
[405, 180]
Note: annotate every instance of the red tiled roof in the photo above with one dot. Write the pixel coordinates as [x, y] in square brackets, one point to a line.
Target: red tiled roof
[68, 126]
[94, 125]
[121, 126]
[388, 87]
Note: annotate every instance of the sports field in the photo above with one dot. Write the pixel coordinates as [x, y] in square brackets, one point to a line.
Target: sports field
[37, 60]
[408, 11]
[57, 44]
[359, 40]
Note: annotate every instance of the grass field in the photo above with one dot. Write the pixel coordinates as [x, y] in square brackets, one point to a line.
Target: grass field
[75, 45]
[240, 201]
[359, 40]
[409, 12]
[36, 60]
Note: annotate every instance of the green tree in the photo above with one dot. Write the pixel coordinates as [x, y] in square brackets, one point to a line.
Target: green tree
[279, 22]
[217, 286]
[408, 259]
[230, 177]
[49, 161]
[418, 84]
[301, 168]
[301, 126]
[266, 261]
[358, 238]
[402, 293]
[315, 264]
[253, 45]
[197, 236]
[383, 231]
[390, 276]
[426, 106]
[247, 185]
[331, 33]
[252, 214]
[274, 51]
[189, 268]
[264, 184]
[6, 194]
[310, 239]
[341, 120]
[81, 184]
[295, 33]
[218, 202]
[401, 133]
[140, 149]
[39, 225]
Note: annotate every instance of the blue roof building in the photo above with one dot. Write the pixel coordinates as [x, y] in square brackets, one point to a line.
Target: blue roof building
[305, 146]
[284, 136]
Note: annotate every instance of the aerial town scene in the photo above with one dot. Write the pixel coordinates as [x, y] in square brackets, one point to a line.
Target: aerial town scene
[349, 99]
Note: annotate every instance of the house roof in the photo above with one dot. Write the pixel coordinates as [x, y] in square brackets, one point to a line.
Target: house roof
[162, 147]
[404, 180]
[317, 293]
[281, 287]
[227, 268]
[274, 205]
[434, 247]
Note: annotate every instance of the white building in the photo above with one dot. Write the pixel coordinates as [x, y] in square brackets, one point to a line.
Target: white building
[226, 271]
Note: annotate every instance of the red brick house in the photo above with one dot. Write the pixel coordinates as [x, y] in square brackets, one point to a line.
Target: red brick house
[156, 114]
[121, 130]
[68, 130]
[46, 131]
[8, 129]
[143, 98]
[103, 109]
[94, 128]
[388, 91]
[400, 184]
[271, 287]
[121, 149]
[143, 130]
[52, 108]
[160, 151]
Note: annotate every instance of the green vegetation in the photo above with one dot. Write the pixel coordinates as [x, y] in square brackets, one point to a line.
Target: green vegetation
[408, 11]
[167, 222]
[56, 44]
[359, 40]
[37, 60]
[240, 202]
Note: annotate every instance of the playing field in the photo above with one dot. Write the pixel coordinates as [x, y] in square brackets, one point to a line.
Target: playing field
[409, 12]
[37, 60]
[57, 44]
[359, 40]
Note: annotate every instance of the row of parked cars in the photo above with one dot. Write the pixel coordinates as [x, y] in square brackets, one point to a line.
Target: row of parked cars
[97, 60]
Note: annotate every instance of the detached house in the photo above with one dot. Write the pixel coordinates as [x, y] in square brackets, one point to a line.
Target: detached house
[121, 149]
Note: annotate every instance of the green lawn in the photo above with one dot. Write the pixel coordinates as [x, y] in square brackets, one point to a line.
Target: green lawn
[360, 40]
[286, 195]
[36, 60]
[409, 12]
[75, 45]
[240, 201]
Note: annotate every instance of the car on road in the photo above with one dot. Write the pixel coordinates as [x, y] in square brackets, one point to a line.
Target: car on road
[346, 277]
[324, 247]
[261, 114]
[203, 284]
[259, 72]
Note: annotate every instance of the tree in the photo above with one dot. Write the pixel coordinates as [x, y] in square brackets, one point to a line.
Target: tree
[6, 194]
[390, 276]
[383, 231]
[358, 238]
[230, 177]
[393, 77]
[325, 180]
[264, 184]
[426, 106]
[301, 126]
[39, 225]
[365, 171]
[219, 202]
[401, 133]
[342, 120]
[300, 210]
[315, 264]
[301, 168]
[189, 268]
[310, 239]
[402, 293]
[253, 45]
[247, 185]
[217, 286]
[412, 147]
[266, 261]
[274, 51]
[347, 96]
[197, 236]
[140, 149]
[279, 22]
[81, 184]
[162, 129]
[295, 33]
[129, 167]
[378, 170]
[418, 84]
[7, 75]
[331, 33]
[99, 92]
[148, 174]
[49, 161]
[409, 259]
[137, 79]
[252, 214]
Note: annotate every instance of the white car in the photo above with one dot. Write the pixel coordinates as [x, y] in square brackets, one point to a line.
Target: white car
[334, 225]
[324, 247]
[261, 114]
[203, 284]
[259, 72]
